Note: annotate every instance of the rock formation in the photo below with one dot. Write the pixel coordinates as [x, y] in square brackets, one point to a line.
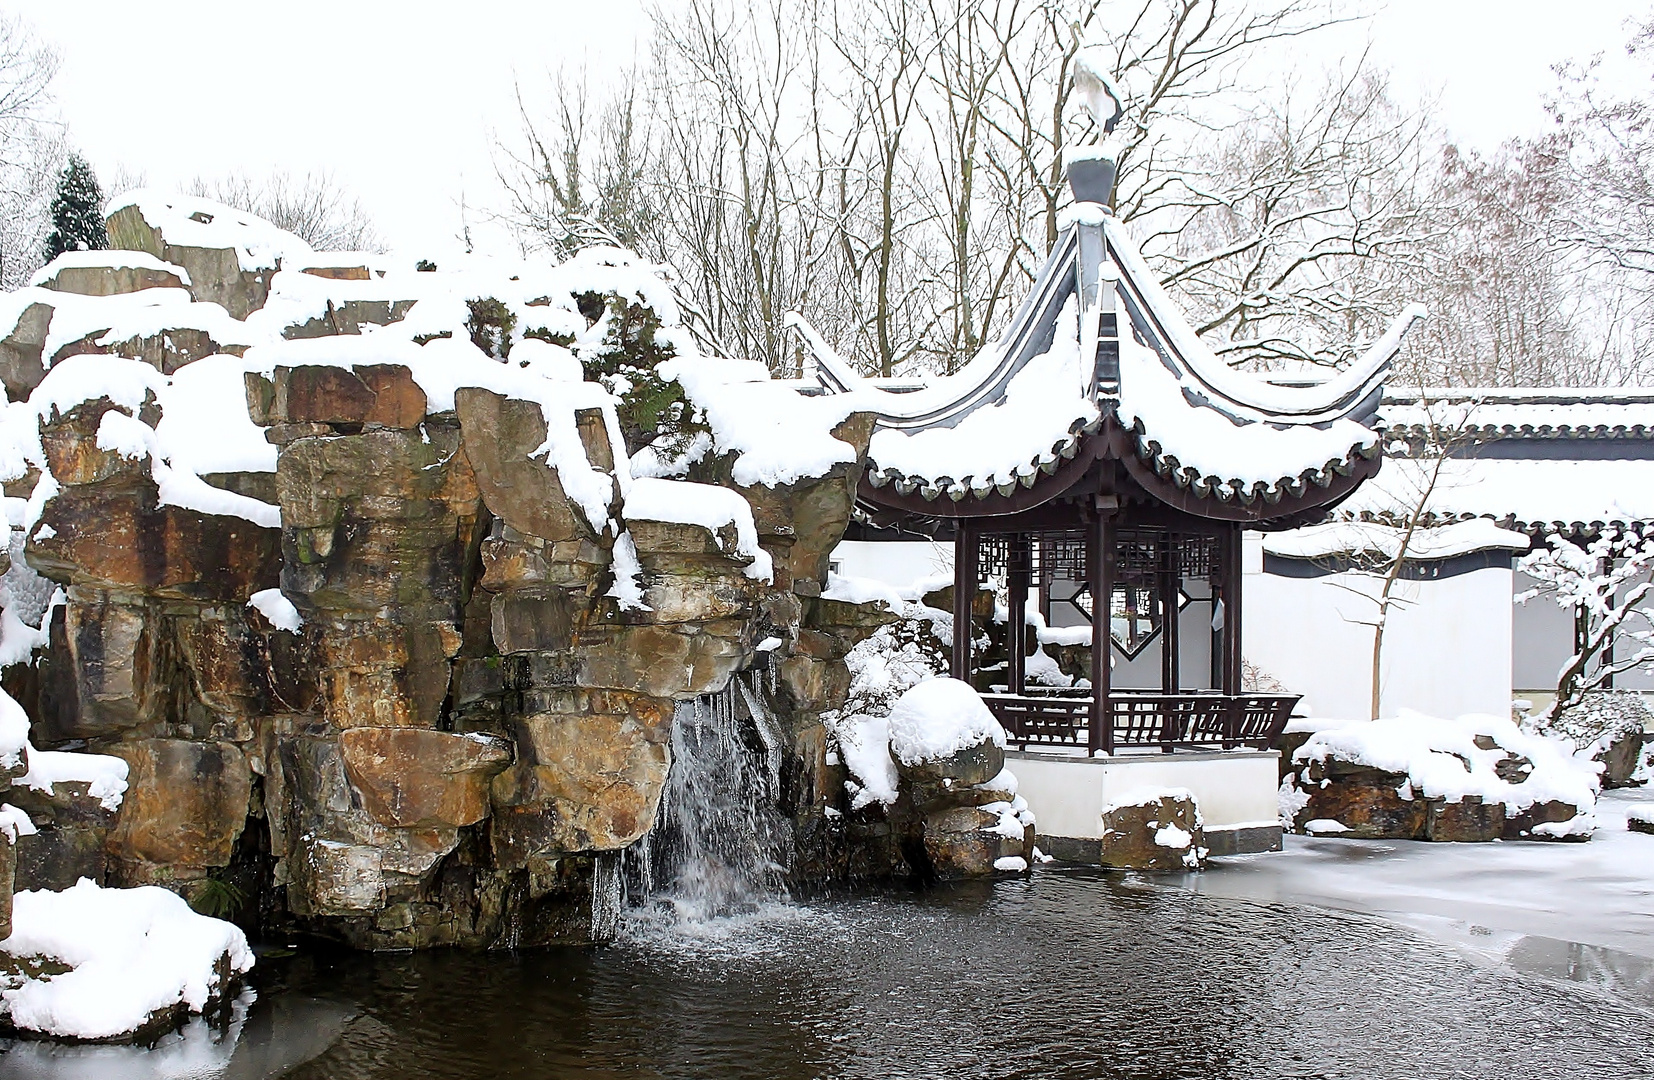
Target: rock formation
[383, 583]
[1417, 778]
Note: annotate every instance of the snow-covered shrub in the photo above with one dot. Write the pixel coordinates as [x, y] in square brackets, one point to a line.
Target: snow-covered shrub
[882, 668]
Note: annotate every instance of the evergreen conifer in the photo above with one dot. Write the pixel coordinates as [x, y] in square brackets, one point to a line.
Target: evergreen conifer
[77, 211]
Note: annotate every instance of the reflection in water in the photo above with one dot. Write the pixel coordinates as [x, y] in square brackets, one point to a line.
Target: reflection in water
[256, 1041]
[1069, 974]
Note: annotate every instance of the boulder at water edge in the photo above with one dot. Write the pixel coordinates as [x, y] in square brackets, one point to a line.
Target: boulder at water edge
[1153, 829]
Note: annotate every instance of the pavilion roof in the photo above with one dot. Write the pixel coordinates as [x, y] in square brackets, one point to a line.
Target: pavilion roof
[1099, 362]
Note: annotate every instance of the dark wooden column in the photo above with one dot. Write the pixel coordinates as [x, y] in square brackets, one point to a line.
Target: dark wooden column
[1100, 579]
[1232, 677]
[1170, 586]
[964, 591]
[1016, 585]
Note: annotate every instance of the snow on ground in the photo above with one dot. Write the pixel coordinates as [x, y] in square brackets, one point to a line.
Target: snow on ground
[1532, 905]
[133, 953]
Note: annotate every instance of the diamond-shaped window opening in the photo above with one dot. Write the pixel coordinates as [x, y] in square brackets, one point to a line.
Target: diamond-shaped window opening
[1136, 615]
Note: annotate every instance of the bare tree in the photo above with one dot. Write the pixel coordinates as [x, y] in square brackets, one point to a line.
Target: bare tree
[32, 148]
[894, 171]
[315, 208]
[1382, 547]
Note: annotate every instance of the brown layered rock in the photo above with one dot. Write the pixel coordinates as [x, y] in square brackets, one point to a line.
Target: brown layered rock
[369, 395]
[68, 842]
[21, 365]
[662, 661]
[963, 841]
[690, 574]
[116, 278]
[380, 513]
[1526, 823]
[185, 804]
[166, 351]
[588, 776]
[1468, 821]
[108, 654]
[216, 274]
[347, 316]
[115, 536]
[335, 857]
[8, 867]
[1366, 801]
[382, 673]
[502, 436]
[1157, 833]
[411, 777]
[962, 769]
[107, 528]
[1620, 759]
[800, 524]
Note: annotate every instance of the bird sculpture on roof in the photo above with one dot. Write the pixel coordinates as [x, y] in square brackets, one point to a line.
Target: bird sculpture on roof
[1099, 95]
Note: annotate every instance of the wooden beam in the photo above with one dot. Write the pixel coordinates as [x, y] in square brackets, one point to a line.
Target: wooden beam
[1233, 679]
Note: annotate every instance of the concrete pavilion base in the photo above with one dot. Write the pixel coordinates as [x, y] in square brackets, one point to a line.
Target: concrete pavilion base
[1235, 789]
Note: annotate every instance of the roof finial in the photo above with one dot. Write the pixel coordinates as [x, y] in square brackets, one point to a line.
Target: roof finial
[1098, 94]
[1092, 169]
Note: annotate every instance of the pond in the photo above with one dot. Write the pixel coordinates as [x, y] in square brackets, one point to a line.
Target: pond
[1069, 973]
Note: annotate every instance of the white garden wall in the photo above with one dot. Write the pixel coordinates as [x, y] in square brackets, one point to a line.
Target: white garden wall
[1447, 652]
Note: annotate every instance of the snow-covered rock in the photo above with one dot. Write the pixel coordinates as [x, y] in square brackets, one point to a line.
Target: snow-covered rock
[1153, 828]
[1420, 777]
[109, 964]
[942, 720]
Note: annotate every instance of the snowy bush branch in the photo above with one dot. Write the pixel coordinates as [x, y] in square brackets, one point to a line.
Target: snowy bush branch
[1602, 583]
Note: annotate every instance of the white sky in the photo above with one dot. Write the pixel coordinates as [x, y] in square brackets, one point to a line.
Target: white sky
[400, 100]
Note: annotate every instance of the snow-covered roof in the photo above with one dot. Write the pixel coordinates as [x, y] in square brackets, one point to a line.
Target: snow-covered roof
[1521, 412]
[1353, 538]
[1099, 354]
[1527, 493]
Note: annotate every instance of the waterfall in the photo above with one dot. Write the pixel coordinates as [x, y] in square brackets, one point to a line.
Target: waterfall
[717, 843]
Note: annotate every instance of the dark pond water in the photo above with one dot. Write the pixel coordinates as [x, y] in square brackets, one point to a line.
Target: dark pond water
[1069, 974]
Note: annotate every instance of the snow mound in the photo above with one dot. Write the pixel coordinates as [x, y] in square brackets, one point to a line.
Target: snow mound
[104, 775]
[134, 955]
[15, 823]
[937, 719]
[278, 609]
[1641, 812]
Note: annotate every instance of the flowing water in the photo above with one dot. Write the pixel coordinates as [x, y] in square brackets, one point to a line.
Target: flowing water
[1068, 973]
[716, 846]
